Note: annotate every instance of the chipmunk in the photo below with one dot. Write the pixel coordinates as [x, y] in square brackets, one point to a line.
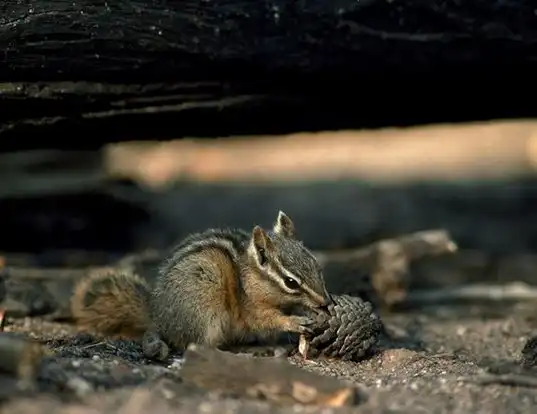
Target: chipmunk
[220, 287]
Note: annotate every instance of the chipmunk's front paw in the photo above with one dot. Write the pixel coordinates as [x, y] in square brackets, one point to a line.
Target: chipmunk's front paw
[154, 347]
[301, 324]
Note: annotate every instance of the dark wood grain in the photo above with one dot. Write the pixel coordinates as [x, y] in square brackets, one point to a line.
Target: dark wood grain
[162, 69]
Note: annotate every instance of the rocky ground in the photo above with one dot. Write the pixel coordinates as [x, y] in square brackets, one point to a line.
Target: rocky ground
[446, 360]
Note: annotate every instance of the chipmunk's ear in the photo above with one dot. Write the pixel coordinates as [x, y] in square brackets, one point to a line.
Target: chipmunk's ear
[260, 246]
[284, 225]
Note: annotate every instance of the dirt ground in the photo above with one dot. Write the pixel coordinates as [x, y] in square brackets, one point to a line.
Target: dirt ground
[437, 361]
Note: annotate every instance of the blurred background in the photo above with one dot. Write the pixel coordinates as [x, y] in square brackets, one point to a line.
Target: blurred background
[343, 190]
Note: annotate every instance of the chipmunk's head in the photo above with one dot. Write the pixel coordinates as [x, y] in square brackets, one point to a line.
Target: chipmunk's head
[289, 271]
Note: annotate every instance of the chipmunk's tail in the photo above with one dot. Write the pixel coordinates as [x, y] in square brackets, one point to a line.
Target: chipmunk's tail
[112, 302]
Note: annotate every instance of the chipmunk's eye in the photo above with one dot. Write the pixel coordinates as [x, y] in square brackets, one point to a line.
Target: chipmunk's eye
[291, 283]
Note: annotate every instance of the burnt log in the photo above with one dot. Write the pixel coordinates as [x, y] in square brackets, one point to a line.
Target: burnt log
[166, 69]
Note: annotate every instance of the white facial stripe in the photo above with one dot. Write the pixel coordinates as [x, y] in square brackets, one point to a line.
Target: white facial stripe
[277, 278]
[316, 297]
[276, 275]
[288, 274]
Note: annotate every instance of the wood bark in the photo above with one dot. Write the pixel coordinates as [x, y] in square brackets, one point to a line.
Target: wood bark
[160, 69]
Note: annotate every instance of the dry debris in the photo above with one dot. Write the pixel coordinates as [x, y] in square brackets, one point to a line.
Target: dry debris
[435, 359]
[272, 379]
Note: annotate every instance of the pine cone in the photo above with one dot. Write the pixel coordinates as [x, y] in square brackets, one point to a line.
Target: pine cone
[350, 330]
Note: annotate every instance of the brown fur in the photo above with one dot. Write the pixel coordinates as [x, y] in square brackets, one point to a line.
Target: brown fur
[262, 308]
[230, 283]
[113, 303]
[209, 309]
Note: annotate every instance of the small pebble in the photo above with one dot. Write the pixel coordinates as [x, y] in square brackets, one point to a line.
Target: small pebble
[280, 352]
[167, 393]
[79, 386]
[177, 363]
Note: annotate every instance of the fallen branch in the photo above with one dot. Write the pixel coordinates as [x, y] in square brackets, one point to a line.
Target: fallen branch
[413, 246]
[441, 152]
[382, 266]
[512, 292]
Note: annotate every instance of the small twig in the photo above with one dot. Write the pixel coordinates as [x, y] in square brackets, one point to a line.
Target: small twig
[442, 355]
[94, 345]
[109, 345]
[512, 380]
[106, 344]
[514, 291]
